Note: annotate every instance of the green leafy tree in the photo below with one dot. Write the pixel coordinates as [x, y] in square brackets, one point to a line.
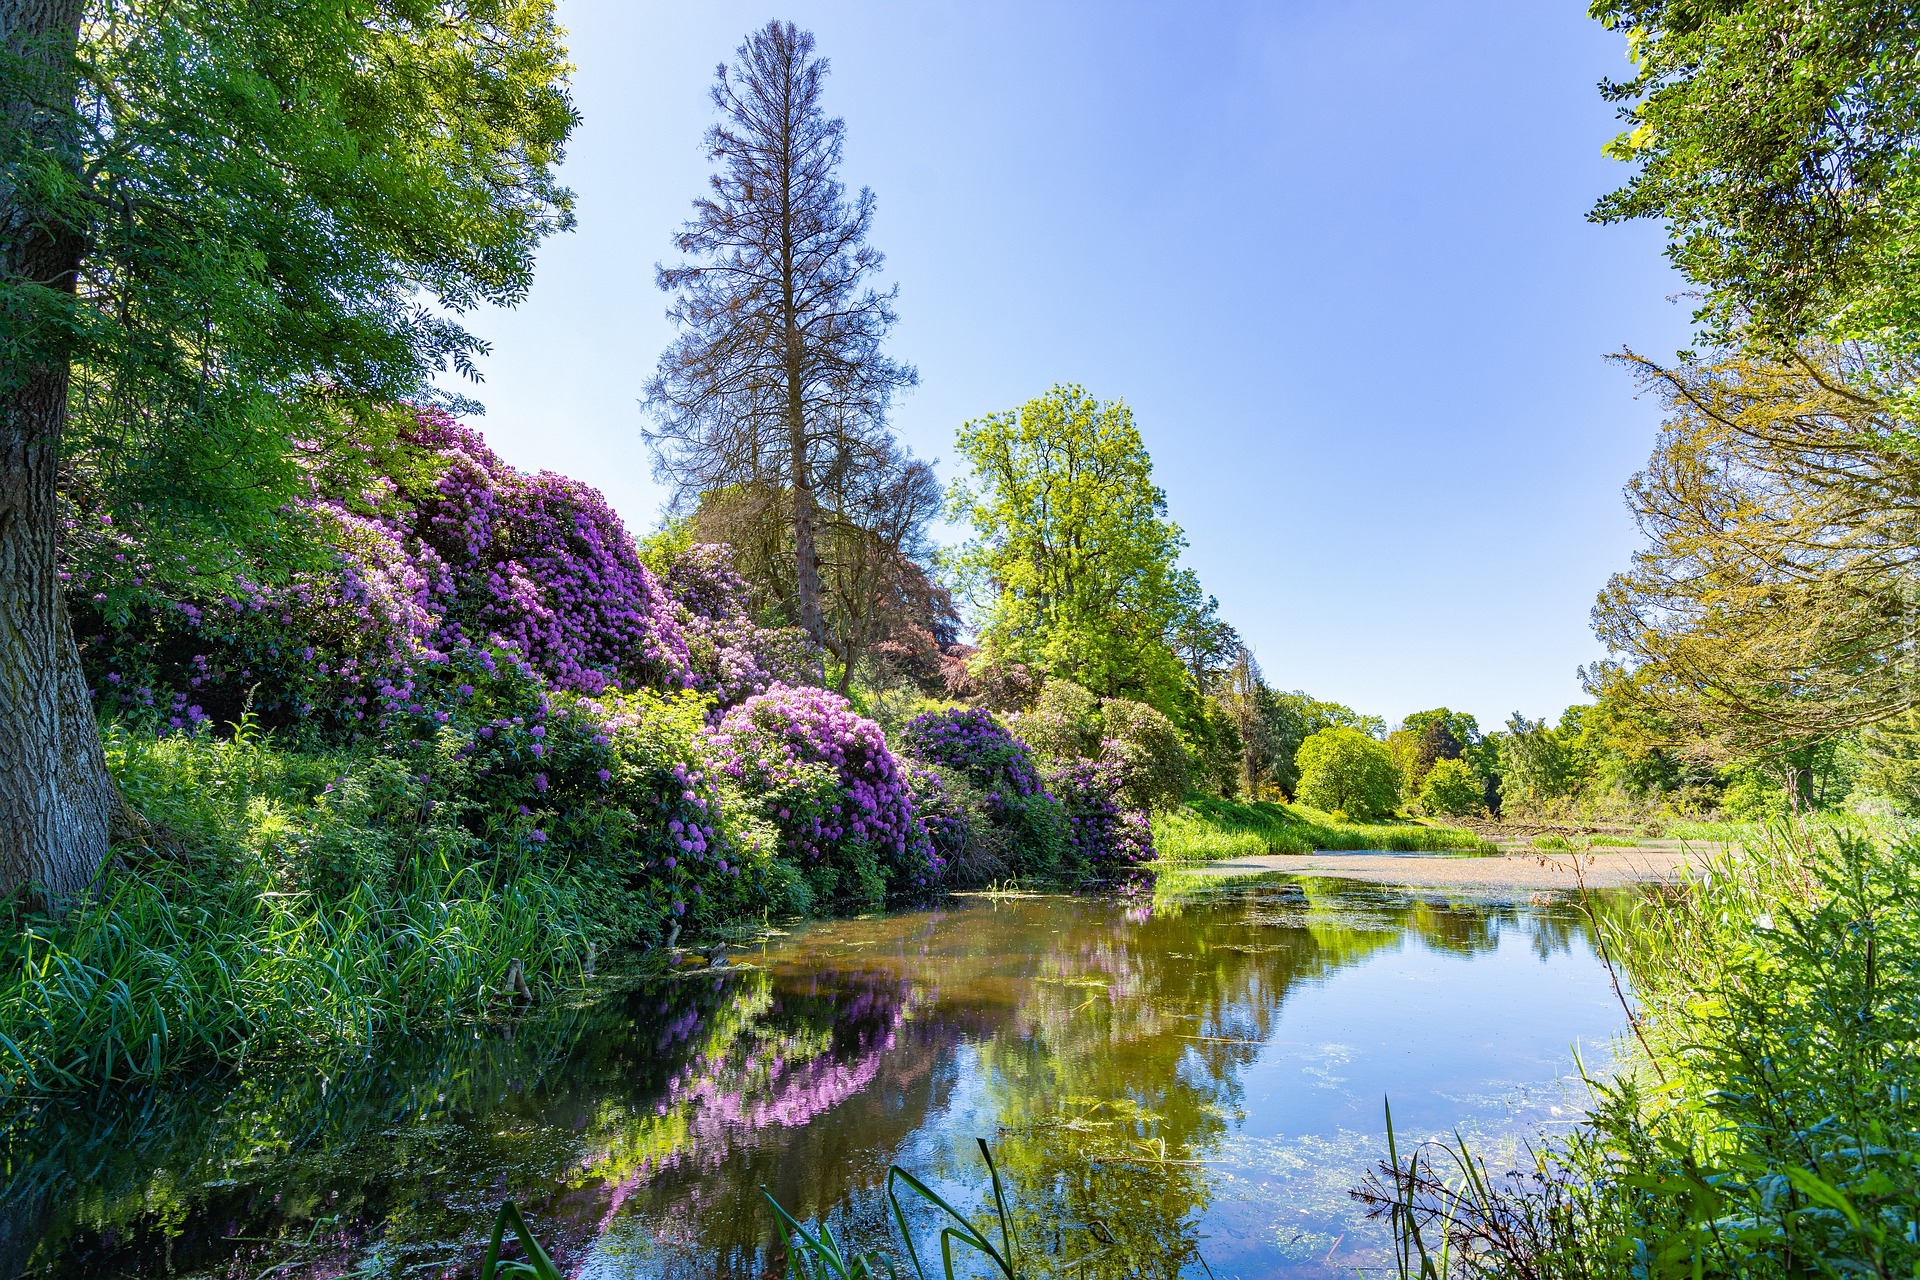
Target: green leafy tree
[1292, 718]
[1780, 143]
[1073, 563]
[1452, 789]
[1342, 768]
[221, 218]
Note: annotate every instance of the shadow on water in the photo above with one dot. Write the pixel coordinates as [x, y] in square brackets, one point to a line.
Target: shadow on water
[1104, 1048]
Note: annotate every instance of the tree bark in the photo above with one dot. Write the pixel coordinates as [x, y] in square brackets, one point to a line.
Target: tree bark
[58, 805]
[806, 514]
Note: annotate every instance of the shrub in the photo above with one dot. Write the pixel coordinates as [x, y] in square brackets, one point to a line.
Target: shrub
[1105, 841]
[731, 655]
[972, 847]
[543, 561]
[999, 770]
[1153, 765]
[1344, 769]
[1451, 790]
[824, 776]
[1064, 724]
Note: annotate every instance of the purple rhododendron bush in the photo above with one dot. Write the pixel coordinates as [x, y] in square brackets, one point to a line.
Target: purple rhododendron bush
[824, 776]
[429, 544]
[989, 813]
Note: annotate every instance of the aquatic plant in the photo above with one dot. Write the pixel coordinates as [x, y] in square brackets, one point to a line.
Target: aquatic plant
[537, 1265]
[824, 776]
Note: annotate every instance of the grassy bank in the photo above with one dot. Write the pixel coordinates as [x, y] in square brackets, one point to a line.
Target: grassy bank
[1769, 1121]
[286, 898]
[1208, 830]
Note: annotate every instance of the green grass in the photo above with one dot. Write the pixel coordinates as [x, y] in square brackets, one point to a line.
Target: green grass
[1205, 829]
[289, 900]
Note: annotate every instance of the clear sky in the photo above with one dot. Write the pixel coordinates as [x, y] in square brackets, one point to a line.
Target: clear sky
[1335, 256]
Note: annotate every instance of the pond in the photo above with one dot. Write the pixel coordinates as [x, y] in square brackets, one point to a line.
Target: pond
[1206, 1071]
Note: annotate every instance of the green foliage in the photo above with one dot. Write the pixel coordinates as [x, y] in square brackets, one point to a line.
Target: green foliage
[295, 901]
[1777, 141]
[1290, 719]
[265, 193]
[537, 1266]
[1886, 762]
[1068, 723]
[1073, 562]
[1451, 790]
[310, 899]
[1154, 768]
[1206, 829]
[1342, 768]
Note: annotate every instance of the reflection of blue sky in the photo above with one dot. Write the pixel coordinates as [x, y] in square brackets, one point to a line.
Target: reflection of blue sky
[1481, 1045]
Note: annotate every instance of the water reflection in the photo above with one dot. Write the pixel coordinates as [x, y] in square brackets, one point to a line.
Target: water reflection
[1205, 1073]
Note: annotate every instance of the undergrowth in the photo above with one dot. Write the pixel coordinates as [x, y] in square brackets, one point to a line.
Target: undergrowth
[287, 899]
[1205, 829]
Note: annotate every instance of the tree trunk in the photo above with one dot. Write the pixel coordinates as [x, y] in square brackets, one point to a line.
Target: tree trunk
[806, 513]
[58, 805]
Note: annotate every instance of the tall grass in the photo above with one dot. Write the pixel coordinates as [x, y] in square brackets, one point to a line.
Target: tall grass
[1771, 1125]
[1207, 830]
[291, 899]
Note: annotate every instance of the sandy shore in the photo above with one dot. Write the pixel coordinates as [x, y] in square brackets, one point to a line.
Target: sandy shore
[1600, 869]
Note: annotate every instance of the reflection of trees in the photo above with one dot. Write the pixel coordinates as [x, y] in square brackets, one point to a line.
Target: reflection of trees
[1110, 1042]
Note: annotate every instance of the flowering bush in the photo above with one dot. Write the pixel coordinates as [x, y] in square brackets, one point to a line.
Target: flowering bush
[824, 776]
[617, 790]
[1000, 772]
[327, 655]
[459, 549]
[1106, 841]
[732, 656]
[973, 849]
[544, 562]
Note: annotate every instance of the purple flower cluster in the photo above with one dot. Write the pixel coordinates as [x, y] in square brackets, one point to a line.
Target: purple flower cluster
[477, 556]
[543, 561]
[980, 747]
[733, 657]
[1104, 837]
[825, 777]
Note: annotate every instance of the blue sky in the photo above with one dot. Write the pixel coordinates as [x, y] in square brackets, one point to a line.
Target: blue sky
[1334, 255]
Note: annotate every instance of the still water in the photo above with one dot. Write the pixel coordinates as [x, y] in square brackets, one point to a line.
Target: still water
[1206, 1073]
